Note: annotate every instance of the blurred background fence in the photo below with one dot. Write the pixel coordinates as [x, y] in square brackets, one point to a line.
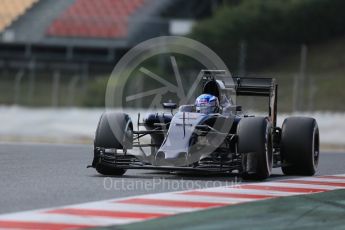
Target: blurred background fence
[78, 85]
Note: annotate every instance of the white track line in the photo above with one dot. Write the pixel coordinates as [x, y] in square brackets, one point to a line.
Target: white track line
[250, 191]
[324, 179]
[144, 207]
[297, 185]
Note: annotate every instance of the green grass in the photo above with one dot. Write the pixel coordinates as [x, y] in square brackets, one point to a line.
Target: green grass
[309, 212]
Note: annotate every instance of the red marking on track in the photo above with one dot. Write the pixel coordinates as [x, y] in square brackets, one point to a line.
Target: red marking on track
[228, 195]
[281, 189]
[339, 184]
[40, 225]
[171, 203]
[102, 213]
[332, 177]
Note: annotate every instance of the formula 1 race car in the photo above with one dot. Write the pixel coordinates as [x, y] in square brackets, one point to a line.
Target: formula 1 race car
[225, 141]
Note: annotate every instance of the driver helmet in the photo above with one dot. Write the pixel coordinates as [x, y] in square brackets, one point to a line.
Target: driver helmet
[207, 103]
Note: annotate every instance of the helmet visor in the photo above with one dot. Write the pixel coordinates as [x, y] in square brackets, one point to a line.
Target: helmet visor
[206, 109]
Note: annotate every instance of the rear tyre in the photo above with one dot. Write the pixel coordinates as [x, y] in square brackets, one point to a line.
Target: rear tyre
[300, 145]
[114, 131]
[255, 145]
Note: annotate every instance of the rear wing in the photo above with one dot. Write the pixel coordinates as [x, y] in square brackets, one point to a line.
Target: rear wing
[265, 87]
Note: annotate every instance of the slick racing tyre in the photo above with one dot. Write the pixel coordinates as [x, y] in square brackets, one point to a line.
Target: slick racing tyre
[255, 145]
[109, 171]
[114, 131]
[300, 145]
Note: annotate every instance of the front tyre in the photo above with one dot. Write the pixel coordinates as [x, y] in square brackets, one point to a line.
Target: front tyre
[114, 131]
[255, 145]
[109, 171]
[300, 146]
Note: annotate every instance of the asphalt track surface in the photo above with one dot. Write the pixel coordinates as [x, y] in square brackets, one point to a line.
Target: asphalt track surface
[35, 176]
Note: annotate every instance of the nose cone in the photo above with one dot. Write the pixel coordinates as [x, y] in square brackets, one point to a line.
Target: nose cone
[176, 146]
[180, 159]
[176, 159]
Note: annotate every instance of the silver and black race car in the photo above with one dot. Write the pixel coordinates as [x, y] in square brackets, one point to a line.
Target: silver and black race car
[223, 142]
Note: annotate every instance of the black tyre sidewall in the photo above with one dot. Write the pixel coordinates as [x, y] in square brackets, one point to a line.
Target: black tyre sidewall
[298, 143]
[109, 171]
[255, 145]
[112, 131]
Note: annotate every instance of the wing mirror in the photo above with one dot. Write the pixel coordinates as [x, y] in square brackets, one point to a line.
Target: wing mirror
[170, 105]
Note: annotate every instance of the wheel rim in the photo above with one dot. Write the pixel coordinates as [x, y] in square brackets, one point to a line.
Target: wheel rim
[128, 136]
[268, 151]
[316, 148]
